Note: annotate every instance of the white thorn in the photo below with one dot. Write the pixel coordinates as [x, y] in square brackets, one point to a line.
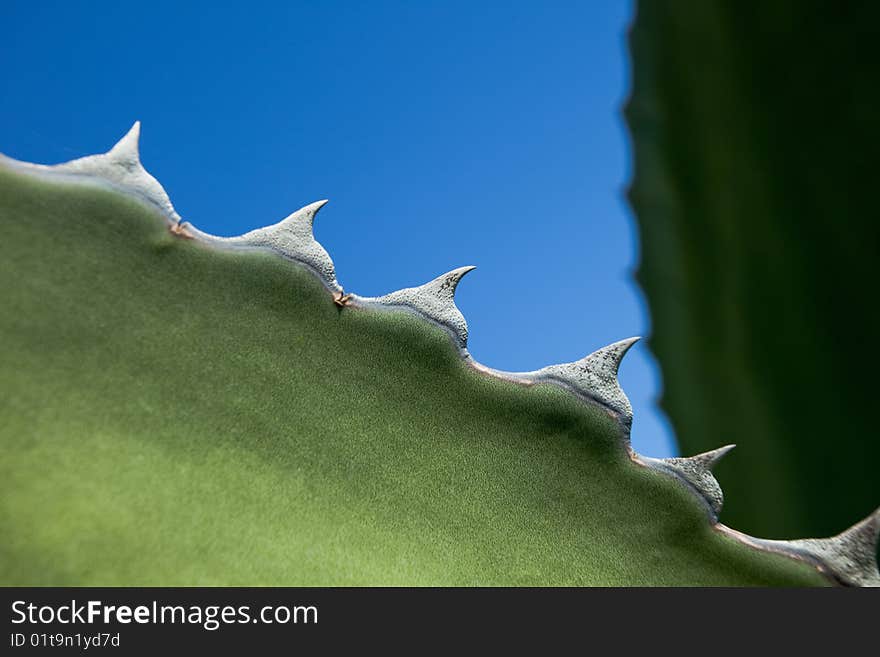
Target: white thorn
[697, 471]
[119, 168]
[708, 460]
[595, 376]
[851, 556]
[292, 237]
[290, 234]
[126, 151]
[434, 300]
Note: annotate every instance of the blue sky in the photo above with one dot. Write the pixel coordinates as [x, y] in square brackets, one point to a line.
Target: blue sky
[443, 133]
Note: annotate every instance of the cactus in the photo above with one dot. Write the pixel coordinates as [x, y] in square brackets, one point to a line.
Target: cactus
[754, 132]
[186, 409]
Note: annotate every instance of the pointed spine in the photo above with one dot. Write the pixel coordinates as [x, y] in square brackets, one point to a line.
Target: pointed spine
[126, 152]
[849, 557]
[120, 168]
[435, 300]
[696, 471]
[595, 377]
[292, 237]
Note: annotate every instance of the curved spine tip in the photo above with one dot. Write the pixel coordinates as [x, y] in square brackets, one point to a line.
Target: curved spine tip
[309, 212]
[696, 471]
[615, 351]
[451, 279]
[434, 300]
[594, 376]
[710, 459]
[292, 238]
[127, 149]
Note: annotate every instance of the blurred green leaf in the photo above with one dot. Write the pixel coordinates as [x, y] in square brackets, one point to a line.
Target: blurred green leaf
[756, 129]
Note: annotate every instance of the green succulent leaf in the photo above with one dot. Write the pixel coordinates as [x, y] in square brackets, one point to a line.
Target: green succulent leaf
[179, 414]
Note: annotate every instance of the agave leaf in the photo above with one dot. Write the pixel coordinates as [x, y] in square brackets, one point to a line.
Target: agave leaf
[175, 415]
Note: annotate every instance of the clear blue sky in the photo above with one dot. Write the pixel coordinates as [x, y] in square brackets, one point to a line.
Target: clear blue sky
[443, 133]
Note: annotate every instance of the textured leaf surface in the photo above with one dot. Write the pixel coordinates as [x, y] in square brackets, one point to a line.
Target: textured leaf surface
[173, 414]
[756, 146]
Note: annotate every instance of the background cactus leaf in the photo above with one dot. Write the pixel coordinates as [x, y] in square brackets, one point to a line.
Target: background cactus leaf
[756, 141]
